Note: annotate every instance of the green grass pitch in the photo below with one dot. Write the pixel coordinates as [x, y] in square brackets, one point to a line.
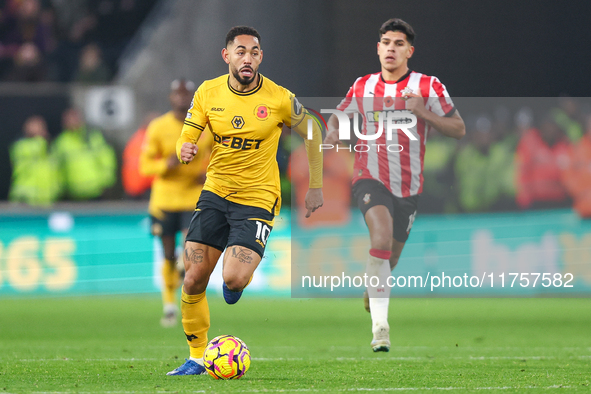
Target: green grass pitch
[116, 345]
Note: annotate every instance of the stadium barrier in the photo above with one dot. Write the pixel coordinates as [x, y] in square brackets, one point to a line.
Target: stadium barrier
[110, 251]
[534, 253]
[104, 249]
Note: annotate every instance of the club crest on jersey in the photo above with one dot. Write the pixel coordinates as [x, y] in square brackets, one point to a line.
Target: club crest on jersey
[238, 122]
[366, 198]
[262, 112]
[406, 91]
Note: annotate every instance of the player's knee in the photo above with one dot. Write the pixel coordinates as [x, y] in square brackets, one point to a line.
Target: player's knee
[235, 283]
[394, 260]
[381, 241]
[193, 283]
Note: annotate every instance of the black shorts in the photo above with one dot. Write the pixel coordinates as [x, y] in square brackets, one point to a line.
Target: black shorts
[219, 223]
[369, 193]
[171, 223]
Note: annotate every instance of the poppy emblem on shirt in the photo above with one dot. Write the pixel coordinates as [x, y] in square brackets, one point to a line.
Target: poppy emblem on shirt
[262, 112]
[388, 101]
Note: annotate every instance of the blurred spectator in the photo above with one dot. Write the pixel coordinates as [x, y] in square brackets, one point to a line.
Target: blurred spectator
[524, 120]
[484, 170]
[61, 28]
[28, 65]
[74, 22]
[91, 68]
[577, 175]
[438, 174]
[120, 19]
[568, 117]
[134, 183]
[541, 156]
[27, 23]
[87, 163]
[336, 188]
[75, 25]
[35, 176]
[502, 129]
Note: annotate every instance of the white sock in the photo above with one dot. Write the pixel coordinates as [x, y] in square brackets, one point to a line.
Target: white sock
[197, 360]
[379, 297]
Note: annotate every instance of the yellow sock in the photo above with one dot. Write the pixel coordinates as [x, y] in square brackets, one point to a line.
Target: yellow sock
[195, 312]
[171, 282]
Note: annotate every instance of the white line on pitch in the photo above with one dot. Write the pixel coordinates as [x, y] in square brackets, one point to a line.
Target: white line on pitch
[402, 389]
[275, 359]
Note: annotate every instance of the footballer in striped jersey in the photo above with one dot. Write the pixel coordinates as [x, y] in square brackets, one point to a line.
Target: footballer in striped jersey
[387, 182]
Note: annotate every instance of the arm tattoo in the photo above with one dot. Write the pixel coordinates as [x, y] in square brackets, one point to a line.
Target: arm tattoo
[243, 254]
[194, 256]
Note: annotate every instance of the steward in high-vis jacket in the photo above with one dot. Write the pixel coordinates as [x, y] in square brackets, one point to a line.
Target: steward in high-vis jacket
[87, 162]
[35, 175]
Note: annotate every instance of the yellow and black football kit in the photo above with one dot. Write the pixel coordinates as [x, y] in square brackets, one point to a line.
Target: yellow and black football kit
[246, 127]
[176, 189]
[243, 170]
[242, 193]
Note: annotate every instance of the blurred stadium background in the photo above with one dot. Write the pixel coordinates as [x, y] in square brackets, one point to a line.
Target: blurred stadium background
[514, 70]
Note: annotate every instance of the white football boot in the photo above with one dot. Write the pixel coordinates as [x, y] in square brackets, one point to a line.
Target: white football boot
[381, 338]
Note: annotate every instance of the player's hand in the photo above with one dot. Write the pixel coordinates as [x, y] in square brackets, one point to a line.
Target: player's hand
[415, 103]
[332, 137]
[314, 200]
[188, 152]
[172, 161]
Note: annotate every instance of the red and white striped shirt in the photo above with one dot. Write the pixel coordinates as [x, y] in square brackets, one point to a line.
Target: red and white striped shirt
[401, 172]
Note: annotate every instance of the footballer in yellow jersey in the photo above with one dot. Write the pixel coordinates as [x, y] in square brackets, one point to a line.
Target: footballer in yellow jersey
[246, 128]
[175, 189]
[235, 212]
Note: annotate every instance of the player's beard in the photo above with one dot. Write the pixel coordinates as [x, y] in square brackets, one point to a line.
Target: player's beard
[244, 81]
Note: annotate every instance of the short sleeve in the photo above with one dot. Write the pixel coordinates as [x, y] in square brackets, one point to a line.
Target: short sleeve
[196, 117]
[440, 103]
[349, 104]
[195, 121]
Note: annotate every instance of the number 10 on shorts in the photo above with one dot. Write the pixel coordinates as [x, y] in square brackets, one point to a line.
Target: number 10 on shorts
[263, 232]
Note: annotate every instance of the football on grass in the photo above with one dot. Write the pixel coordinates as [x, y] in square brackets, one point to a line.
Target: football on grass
[226, 357]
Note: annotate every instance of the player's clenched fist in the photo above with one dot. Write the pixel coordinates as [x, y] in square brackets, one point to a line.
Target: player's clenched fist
[188, 152]
[332, 137]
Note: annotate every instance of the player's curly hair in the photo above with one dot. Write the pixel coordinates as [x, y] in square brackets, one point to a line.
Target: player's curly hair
[241, 30]
[396, 24]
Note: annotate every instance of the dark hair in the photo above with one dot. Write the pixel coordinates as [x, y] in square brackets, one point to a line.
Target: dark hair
[241, 30]
[396, 24]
